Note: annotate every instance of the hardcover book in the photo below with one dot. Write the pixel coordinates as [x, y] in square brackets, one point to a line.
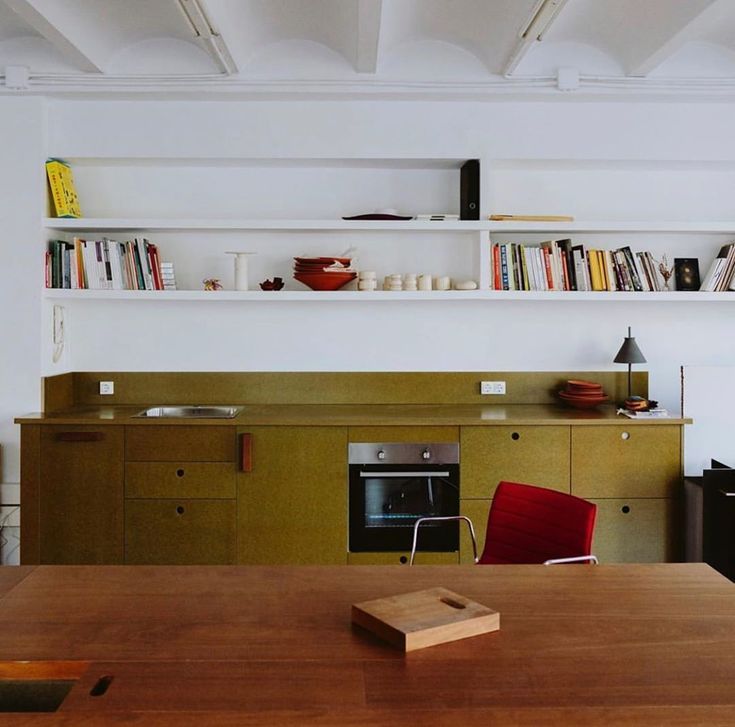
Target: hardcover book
[61, 185]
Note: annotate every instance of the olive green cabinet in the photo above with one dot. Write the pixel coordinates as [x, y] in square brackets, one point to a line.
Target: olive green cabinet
[292, 495]
[633, 474]
[80, 497]
[180, 495]
[534, 455]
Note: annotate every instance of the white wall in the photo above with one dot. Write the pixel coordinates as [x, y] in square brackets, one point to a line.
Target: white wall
[671, 146]
[21, 201]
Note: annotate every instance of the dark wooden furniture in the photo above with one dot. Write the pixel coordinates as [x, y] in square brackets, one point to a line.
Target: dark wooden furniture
[247, 645]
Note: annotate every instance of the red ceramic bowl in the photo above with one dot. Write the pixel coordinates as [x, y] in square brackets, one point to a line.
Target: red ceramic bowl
[325, 281]
[322, 260]
[579, 384]
[582, 402]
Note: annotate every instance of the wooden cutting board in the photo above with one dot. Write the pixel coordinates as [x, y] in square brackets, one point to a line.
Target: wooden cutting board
[416, 620]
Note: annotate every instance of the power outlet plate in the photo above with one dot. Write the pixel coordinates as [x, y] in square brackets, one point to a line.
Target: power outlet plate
[492, 387]
[107, 388]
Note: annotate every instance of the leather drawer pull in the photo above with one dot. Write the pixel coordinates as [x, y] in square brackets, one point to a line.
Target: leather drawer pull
[246, 453]
[79, 436]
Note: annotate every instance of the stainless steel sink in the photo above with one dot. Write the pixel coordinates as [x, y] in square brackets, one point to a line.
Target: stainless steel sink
[191, 412]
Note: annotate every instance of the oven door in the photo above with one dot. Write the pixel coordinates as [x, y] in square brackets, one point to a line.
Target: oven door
[386, 501]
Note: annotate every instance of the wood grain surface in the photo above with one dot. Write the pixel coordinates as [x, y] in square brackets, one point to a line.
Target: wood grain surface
[629, 644]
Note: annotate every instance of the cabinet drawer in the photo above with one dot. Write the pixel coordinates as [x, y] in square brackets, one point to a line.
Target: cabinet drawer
[180, 443]
[214, 480]
[533, 455]
[632, 461]
[635, 530]
[401, 558]
[420, 435]
[180, 532]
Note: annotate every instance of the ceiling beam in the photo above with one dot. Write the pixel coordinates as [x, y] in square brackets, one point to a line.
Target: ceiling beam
[704, 14]
[199, 17]
[369, 17]
[60, 34]
[543, 15]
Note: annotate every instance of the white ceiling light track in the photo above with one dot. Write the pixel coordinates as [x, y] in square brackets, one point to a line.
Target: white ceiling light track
[196, 14]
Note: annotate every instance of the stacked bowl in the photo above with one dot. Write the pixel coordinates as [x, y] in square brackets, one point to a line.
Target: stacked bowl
[323, 273]
[583, 394]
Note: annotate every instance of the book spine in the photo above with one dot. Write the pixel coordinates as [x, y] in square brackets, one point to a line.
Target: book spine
[504, 266]
[496, 268]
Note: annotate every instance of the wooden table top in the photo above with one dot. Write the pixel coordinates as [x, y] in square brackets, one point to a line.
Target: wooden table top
[220, 645]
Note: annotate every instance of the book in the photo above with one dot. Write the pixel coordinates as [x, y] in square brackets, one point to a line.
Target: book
[716, 268]
[61, 186]
[657, 413]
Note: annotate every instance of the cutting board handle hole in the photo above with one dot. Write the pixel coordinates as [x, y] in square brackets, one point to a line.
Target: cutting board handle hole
[454, 604]
[101, 686]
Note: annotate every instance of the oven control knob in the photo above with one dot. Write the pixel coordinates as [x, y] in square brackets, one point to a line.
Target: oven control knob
[426, 454]
[381, 454]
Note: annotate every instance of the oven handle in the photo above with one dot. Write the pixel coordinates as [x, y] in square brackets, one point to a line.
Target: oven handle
[403, 474]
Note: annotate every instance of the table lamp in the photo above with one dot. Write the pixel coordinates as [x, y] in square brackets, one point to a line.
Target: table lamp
[630, 354]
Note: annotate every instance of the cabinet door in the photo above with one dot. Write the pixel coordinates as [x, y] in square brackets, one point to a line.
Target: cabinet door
[626, 461]
[292, 504]
[533, 455]
[81, 495]
[180, 532]
[635, 530]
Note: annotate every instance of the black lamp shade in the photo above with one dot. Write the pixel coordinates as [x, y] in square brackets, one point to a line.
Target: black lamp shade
[629, 352]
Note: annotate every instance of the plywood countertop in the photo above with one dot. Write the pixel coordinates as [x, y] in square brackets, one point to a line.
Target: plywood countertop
[359, 415]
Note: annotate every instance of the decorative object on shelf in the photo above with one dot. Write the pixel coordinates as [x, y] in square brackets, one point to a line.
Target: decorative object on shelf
[442, 282]
[666, 272]
[465, 285]
[241, 269]
[686, 271]
[438, 217]
[367, 280]
[63, 191]
[383, 214]
[275, 284]
[630, 354]
[469, 190]
[425, 282]
[410, 282]
[323, 273]
[583, 394]
[212, 284]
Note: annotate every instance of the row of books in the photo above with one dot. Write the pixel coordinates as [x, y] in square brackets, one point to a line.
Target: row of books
[721, 274]
[561, 265]
[107, 265]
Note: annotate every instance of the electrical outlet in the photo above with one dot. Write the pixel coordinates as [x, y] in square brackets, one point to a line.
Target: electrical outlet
[107, 387]
[492, 387]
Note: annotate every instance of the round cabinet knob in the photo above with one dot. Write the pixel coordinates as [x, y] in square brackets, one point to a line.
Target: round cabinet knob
[625, 436]
[381, 454]
[426, 454]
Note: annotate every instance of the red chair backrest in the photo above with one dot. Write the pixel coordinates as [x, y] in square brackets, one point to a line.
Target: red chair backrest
[530, 524]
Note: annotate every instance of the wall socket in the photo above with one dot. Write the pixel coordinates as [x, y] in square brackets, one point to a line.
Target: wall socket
[492, 387]
[107, 388]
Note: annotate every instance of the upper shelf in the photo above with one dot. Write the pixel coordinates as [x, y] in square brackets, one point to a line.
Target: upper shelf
[106, 224]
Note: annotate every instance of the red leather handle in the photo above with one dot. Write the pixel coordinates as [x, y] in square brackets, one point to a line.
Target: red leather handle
[246, 452]
[79, 436]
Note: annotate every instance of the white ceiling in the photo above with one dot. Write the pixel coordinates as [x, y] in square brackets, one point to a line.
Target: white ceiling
[368, 46]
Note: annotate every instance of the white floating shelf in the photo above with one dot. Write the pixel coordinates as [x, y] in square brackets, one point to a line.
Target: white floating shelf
[102, 224]
[375, 296]
[106, 224]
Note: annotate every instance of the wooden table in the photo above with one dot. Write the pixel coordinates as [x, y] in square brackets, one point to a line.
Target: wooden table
[627, 644]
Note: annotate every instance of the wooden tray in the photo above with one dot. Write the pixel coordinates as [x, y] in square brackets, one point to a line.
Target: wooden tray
[425, 618]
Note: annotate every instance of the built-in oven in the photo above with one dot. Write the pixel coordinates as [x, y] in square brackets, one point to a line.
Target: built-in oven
[392, 485]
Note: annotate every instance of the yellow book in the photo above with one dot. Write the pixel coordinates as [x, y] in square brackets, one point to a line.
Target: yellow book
[61, 186]
[595, 273]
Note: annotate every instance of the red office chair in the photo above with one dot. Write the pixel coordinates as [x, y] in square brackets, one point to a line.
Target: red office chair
[528, 524]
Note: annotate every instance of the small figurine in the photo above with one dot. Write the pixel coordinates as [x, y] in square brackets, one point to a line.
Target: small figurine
[212, 284]
[275, 284]
[665, 270]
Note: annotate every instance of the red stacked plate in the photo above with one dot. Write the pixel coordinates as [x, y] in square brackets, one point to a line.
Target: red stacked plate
[583, 394]
[323, 273]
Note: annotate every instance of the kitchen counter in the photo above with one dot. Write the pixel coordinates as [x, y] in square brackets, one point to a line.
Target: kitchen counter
[359, 415]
